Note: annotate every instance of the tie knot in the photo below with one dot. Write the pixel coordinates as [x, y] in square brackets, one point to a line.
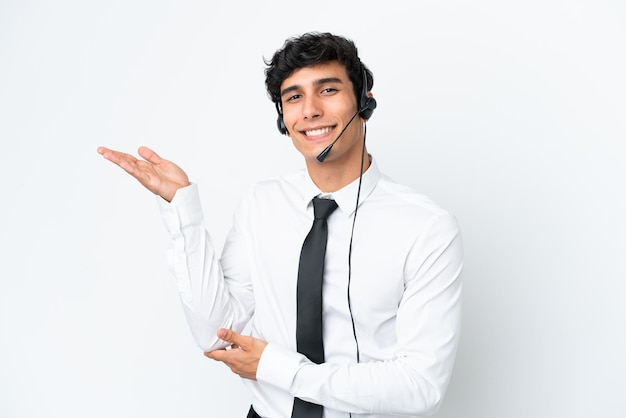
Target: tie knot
[323, 207]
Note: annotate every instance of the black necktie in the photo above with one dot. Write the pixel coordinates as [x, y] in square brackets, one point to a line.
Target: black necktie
[309, 320]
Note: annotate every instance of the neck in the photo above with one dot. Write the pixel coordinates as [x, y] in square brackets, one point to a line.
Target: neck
[333, 175]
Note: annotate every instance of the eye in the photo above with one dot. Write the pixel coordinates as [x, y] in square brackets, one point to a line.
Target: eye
[329, 90]
[294, 97]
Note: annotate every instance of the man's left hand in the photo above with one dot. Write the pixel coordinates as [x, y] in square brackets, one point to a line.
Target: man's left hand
[243, 355]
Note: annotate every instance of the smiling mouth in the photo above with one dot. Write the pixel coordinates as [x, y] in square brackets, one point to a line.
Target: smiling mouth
[318, 132]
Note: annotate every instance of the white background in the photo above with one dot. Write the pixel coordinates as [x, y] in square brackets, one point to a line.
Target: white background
[509, 114]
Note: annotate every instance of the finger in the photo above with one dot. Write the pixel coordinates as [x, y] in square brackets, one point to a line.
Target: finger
[218, 355]
[108, 153]
[149, 155]
[112, 155]
[229, 336]
[126, 161]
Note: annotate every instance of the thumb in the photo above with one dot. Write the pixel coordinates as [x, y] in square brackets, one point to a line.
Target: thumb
[149, 155]
[229, 336]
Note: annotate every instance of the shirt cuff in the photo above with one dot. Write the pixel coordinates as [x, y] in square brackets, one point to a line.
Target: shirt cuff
[278, 366]
[184, 209]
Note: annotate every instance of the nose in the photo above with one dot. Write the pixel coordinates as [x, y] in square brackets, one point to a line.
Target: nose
[311, 108]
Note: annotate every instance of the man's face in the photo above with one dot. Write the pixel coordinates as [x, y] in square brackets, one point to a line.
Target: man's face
[317, 104]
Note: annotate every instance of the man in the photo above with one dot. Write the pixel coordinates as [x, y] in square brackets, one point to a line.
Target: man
[390, 300]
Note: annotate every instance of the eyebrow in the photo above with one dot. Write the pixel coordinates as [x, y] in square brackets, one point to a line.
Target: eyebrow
[316, 83]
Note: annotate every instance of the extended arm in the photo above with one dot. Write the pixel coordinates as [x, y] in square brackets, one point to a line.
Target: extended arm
[210, 301]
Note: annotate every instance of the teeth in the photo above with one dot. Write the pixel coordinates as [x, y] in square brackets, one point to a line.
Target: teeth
[316, 132]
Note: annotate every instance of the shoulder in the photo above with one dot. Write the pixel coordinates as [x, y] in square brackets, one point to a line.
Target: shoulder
[271, 197]
[276, 186]
[391, 194]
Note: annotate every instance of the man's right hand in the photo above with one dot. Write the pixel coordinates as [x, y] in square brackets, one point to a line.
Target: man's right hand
[161, 177]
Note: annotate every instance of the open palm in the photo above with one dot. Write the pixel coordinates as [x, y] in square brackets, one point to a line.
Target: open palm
[160, 176]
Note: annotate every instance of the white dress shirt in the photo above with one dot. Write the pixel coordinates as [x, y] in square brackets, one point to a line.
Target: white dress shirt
[405, 293]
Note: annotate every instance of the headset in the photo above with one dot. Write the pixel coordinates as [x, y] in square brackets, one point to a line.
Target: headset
[366, 108]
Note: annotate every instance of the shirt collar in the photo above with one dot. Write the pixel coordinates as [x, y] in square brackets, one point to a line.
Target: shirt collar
[346, 196]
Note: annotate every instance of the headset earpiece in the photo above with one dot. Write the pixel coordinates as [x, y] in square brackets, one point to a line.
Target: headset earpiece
[280, 123]
[368, 108]
[366, 104]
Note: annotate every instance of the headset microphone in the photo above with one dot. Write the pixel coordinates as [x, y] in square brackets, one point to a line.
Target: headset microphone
[369, 106]
[322, 155]
[366, 108]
